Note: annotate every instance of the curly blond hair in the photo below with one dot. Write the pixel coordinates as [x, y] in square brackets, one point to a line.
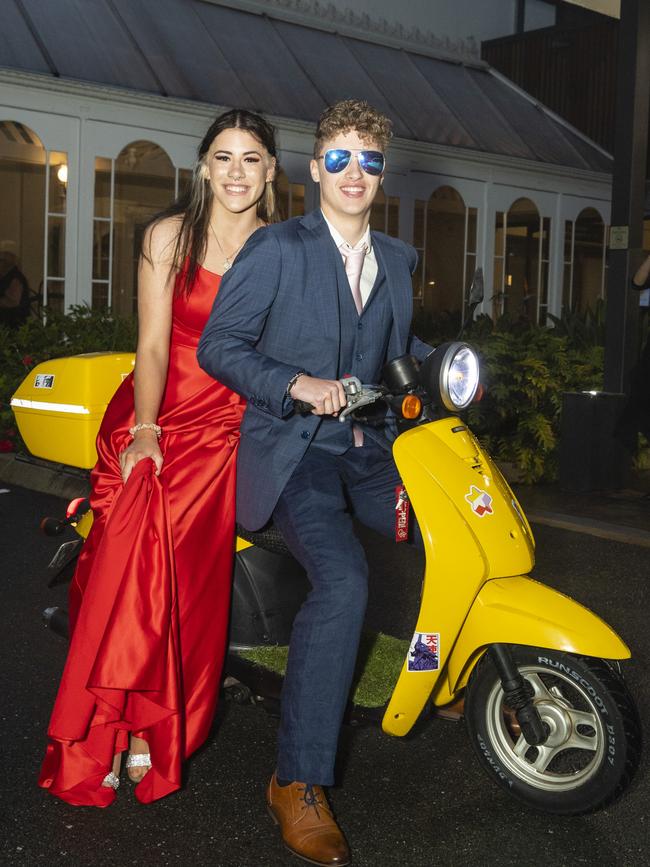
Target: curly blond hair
[353, 114]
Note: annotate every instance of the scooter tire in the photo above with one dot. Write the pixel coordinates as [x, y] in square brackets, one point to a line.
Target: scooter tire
[594, 745]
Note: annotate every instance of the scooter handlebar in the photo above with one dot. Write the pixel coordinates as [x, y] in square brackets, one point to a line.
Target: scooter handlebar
[302, 407]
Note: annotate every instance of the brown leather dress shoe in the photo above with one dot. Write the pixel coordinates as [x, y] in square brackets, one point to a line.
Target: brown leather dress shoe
[307, 825]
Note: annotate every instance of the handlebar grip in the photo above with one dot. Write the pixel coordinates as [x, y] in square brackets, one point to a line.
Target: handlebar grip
[302, 407]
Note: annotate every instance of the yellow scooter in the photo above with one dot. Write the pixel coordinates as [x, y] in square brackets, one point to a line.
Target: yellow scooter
[548, 713]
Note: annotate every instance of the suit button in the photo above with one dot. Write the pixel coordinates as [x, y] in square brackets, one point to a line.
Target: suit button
[359, 356]
[305, 434]
[360, 326]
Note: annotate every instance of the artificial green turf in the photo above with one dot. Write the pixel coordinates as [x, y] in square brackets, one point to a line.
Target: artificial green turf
[379, 663]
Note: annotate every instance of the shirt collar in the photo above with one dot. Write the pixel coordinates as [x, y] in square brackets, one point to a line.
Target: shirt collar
[339, 239]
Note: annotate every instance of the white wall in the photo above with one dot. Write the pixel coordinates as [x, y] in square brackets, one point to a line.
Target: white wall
[87, 121]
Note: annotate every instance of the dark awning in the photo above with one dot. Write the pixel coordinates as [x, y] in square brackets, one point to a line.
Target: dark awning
[197, 50]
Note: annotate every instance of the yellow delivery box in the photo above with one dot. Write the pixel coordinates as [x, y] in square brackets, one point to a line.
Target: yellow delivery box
[60, 404]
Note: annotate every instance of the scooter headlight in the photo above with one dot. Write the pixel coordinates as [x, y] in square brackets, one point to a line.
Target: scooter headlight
[451, 375]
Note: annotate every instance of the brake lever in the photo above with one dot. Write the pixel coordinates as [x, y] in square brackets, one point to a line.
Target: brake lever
[358, 395]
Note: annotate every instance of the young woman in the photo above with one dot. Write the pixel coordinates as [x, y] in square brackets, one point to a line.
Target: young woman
[149, 601]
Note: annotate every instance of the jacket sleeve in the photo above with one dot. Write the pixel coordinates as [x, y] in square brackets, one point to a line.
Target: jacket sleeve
[227, 346]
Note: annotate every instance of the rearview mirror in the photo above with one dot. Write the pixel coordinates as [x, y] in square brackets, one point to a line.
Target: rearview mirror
[477, 288]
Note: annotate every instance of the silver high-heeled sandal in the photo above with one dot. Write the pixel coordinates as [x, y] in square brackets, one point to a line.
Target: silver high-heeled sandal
[138, 760]
[111, 781]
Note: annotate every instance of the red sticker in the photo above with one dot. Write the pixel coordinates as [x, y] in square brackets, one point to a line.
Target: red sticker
[402, 509]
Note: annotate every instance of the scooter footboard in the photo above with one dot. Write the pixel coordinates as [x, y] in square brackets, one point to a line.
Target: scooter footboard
[519, 610]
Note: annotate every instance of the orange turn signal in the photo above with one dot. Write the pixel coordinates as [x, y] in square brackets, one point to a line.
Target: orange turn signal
[411, 406]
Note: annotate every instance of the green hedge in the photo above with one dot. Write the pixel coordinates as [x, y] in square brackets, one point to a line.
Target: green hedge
[525, 370]
[525, 374]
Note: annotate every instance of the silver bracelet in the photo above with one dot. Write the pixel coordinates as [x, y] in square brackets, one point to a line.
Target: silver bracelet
[146, 425]
[294, 379]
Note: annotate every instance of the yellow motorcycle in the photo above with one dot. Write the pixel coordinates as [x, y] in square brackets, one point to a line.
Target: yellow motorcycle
[547, 710]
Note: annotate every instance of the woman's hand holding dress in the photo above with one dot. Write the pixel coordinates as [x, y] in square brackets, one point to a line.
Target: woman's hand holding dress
[145, 445]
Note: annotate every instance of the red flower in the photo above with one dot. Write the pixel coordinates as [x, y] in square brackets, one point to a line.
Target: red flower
[6, 446]
[28, 360]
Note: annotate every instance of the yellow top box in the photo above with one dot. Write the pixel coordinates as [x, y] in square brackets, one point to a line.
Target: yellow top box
[60, 404]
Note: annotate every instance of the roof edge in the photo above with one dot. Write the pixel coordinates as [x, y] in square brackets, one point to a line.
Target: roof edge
[326, 17]
[550, 113]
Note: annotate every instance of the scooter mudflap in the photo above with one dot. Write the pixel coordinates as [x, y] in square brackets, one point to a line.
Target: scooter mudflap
[67, 552]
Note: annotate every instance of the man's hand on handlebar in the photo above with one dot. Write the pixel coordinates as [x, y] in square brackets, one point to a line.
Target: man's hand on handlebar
[326, 396]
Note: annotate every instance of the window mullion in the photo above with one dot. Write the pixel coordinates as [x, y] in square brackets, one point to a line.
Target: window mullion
[110, 237]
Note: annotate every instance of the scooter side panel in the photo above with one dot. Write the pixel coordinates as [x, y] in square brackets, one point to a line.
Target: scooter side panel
[449, 457]
[455, 570]
[519, 610]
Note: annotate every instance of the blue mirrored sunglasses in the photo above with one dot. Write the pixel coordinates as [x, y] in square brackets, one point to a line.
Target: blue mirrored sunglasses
[337, 159]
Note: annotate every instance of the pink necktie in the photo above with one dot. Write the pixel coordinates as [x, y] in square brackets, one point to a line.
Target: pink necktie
[353, 258]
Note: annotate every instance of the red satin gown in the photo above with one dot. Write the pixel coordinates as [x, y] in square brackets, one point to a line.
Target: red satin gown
[149, 602]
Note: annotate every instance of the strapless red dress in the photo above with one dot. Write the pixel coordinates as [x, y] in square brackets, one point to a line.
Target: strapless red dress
[149, 601]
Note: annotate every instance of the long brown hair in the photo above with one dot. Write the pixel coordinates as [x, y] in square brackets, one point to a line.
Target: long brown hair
[194, 205]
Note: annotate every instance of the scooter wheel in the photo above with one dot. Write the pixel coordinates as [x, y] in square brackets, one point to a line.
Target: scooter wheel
[594, 734]
[238, 693]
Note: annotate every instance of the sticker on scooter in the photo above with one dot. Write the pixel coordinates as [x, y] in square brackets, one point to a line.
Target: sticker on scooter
[44, 380]
[424, 652]
[480, 501]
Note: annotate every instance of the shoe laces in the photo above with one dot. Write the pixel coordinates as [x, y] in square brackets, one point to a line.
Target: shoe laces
[312, 800]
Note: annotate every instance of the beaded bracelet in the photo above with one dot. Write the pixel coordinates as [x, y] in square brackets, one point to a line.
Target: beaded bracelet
[146, 425]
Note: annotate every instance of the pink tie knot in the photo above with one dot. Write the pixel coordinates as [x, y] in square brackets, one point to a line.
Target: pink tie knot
[353, 258]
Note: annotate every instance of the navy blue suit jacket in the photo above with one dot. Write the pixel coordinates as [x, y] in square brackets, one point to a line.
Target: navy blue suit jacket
[276, 313]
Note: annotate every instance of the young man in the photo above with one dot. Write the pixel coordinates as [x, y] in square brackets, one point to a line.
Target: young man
[308, 302]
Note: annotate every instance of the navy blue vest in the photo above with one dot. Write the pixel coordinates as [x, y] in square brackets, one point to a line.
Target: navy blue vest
[362, 349]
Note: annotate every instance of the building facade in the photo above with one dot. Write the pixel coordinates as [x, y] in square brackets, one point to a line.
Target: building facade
[478, 175]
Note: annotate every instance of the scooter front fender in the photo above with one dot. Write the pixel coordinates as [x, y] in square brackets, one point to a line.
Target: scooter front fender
[519, 610]
[515, 610]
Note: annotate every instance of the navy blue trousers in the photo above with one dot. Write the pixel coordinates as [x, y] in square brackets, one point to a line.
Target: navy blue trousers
[314, 514]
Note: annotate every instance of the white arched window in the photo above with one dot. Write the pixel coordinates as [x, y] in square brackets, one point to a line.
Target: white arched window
[445, 237]
[521, 260]
[34, 182]
[129, 191]
[585, 246]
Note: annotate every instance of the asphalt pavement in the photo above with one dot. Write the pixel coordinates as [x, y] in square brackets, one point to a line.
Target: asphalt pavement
[415, 802]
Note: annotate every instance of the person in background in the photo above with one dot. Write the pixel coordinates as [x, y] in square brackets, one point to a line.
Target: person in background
[14, 291]
[635, 418]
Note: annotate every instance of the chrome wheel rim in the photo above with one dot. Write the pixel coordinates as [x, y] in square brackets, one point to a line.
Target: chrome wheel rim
[576, 740]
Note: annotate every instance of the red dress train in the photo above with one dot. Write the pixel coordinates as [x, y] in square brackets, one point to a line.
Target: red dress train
[149, 601]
